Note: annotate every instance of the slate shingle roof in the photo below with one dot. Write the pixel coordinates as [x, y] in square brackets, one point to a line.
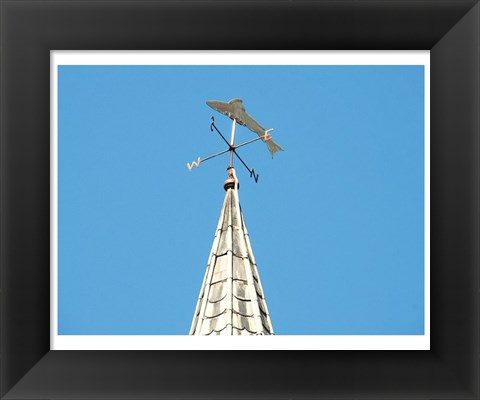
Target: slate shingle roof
[231, 300]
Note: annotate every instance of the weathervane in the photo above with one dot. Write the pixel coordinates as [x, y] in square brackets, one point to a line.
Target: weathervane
[235, 110]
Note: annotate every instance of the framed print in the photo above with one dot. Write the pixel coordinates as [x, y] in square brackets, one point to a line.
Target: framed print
[32, 31]
[375, 106]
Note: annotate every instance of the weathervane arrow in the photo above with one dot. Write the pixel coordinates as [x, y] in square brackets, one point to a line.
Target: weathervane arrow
[235, 110]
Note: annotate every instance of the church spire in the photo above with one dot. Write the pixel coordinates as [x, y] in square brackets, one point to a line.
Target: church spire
[231, 300]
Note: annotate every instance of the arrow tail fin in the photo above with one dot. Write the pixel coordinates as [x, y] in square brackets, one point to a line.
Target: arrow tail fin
[273, 147]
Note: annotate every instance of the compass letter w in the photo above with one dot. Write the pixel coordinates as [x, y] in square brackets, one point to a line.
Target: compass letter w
[194, 164]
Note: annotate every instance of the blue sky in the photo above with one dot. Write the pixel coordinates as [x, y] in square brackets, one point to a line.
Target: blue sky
[336, 221]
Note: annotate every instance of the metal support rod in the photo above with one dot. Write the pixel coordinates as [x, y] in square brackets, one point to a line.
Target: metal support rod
[212, 125]
[243, 162]
[232, 142]
[266, 137]
[252, 171]
[200, 160]
[214, 155]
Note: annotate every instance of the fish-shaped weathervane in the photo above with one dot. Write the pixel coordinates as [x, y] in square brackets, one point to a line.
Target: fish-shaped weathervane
[235, 110]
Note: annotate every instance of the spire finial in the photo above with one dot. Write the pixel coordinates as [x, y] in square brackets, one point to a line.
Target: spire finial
[236, 112]
[232, 179]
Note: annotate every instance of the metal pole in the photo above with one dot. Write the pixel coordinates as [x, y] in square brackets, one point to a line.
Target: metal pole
[214, 155]
[232, 142]
[265, 138]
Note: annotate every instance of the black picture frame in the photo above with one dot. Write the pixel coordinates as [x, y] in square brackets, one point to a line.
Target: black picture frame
[450, 29]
